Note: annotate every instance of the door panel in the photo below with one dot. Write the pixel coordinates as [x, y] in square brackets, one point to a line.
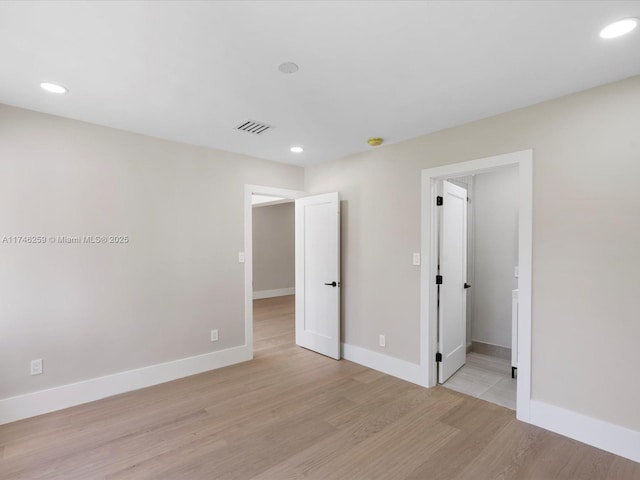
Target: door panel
[318, 264]
[452, 326]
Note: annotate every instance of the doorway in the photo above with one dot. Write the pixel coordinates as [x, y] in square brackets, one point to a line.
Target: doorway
[265, 196]
[429, 293]
[317, 268]
[490, 285]
[273, 259]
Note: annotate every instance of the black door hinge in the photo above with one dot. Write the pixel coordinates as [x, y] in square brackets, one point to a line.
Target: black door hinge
[438, 279]
[439, 201]
[438, 357]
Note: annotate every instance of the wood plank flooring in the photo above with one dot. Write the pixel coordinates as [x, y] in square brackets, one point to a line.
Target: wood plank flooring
[292, 414]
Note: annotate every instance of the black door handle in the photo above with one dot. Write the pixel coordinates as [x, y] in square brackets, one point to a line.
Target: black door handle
[466, 285]
[332, 284]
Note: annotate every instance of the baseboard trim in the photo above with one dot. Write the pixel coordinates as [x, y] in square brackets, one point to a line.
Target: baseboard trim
[65, 396]
[491, 350]
[597, 433]
[411, 372]
[278, 292]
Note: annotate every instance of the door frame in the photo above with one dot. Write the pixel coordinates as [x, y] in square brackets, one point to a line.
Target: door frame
[428, 290]
[249, 190]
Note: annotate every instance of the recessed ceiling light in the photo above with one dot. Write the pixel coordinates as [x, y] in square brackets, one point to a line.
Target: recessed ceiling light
[53, 87]
[296, 149]
[288, 67]
[619, 28]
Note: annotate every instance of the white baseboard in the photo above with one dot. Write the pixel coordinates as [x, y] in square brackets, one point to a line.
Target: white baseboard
[279, 292]
[597, 433]
[45, 401]
[491, 349]
[396, 367]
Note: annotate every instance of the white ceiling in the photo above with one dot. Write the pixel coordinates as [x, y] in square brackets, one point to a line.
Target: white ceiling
[192, 71]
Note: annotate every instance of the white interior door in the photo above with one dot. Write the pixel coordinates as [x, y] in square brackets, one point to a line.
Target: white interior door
[452, 316]
[318, 273]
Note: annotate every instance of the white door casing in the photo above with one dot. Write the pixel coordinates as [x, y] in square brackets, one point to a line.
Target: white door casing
[318, 273]
[428, 291]
[452, 316]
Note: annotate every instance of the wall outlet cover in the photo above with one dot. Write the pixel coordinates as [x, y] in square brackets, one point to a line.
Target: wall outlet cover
[36, 366]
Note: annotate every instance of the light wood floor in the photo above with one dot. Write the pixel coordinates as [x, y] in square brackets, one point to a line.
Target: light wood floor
[292, 414]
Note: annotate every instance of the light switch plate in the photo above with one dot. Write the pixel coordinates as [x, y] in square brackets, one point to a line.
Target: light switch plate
[416, 259]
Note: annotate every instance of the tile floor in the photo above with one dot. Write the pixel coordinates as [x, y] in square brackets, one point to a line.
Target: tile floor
[487, 378]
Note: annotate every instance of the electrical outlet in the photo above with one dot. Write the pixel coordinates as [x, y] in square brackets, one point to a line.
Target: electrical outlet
[36, 366]
[240, 257]
[383, 341]
[214, 335]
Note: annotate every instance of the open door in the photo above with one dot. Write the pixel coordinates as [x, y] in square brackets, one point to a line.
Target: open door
[452, 316]
[318, 273]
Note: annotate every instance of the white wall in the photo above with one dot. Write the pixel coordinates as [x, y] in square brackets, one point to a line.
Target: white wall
[273, 247]
[495, 206]
[92, 310]
[586, 232]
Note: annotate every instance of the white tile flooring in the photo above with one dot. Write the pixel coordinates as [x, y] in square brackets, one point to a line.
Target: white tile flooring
[487, 378]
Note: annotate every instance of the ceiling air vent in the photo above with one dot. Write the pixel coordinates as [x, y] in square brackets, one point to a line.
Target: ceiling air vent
[256, 128]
